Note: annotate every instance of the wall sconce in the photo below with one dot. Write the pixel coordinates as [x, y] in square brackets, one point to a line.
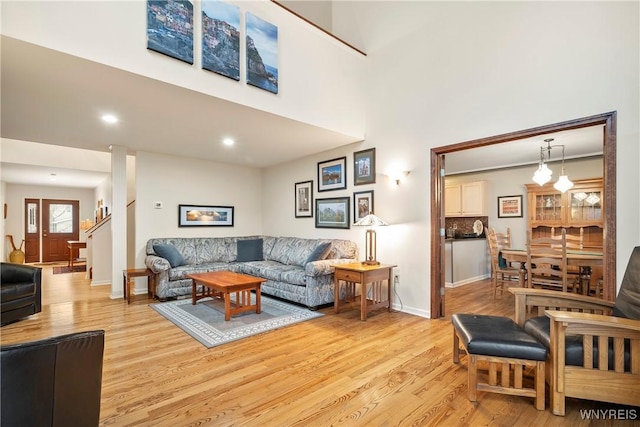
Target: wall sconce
[398, 176]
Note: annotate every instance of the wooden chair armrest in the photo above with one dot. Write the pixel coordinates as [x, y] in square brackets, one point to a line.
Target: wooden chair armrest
[547, 299]
[580, 322]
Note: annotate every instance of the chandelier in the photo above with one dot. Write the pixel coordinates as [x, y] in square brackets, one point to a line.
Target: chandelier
[543, 174]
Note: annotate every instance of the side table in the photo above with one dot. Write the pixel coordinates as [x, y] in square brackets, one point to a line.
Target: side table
[364, 274]
[129, 274]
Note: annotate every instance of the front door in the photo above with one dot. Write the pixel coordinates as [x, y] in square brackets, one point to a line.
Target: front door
[59, 224]
[32, 230]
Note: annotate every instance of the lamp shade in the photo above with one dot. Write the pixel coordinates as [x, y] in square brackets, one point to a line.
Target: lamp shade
[542, 175]
[563, 183]
[371, 220]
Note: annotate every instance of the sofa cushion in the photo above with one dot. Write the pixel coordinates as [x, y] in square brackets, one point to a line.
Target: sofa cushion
[249, 250]
[292, 250]
[170, 253]
[320, 252]
[214, 249]
[275, 271]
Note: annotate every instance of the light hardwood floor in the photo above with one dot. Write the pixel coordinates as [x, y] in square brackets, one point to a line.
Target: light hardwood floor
[394, 369]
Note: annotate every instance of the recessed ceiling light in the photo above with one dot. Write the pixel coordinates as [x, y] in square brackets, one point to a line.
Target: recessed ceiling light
[228, 142]
[109, 118]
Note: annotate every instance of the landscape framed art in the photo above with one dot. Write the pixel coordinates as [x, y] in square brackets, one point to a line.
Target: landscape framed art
[364, 168]
[205, 216]
[221, 38]
[332, 174]
[332, 213]
[170, 29]
[304, 199]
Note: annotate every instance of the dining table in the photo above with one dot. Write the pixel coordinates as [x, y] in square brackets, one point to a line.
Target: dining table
[578, 257]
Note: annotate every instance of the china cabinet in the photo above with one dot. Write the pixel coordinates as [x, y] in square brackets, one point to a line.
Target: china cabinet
[579, 207]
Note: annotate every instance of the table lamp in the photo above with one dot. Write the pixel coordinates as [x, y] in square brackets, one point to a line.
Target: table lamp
[370, 239]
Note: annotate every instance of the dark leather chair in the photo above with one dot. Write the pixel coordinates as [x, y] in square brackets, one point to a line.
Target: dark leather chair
[20, 291]
[575, 327]
[52, 382]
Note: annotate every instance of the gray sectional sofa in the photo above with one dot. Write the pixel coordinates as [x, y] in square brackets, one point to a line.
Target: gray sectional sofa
[299, 270]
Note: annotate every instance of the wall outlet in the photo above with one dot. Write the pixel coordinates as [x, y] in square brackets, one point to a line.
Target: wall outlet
[157, 205]
[396, 275]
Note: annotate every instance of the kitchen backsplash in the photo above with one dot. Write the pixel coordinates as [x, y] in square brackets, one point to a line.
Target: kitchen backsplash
[464, 225]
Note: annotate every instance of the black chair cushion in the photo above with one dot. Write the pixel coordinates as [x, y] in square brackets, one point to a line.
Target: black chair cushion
[540, 328]
[497, 336]
[628, 299]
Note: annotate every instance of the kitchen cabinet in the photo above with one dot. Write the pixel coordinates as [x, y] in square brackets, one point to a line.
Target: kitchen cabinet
[465, 199]
[579, 207]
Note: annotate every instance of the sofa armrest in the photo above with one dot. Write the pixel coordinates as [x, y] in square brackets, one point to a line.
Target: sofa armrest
[536, 301]
[325, 266]
[157, 264]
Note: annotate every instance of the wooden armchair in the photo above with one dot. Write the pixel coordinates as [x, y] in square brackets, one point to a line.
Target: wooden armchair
[574, 328]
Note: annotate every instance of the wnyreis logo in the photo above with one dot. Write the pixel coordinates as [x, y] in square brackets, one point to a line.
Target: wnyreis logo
[609, 414]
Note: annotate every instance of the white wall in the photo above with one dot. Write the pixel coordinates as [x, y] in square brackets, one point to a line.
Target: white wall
[446, 72]
[16, 194]
[114, 33]
[175, 180]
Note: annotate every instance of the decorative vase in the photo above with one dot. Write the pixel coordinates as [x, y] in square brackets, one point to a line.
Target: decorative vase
[16, 256]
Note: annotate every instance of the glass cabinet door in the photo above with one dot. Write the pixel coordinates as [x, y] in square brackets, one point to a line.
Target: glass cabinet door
[548, 207]
[585, 206]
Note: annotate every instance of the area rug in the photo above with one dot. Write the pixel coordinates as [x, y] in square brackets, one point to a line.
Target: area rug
[205, 320]
[65, 269]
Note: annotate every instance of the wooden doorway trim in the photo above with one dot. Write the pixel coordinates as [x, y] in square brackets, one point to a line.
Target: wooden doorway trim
[608, 120]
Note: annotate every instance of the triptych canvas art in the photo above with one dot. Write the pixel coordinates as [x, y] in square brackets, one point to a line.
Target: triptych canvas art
[170, 32]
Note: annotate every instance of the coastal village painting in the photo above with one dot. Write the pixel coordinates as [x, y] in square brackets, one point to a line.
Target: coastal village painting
[221, 38]
[170, 28]
[262, 53]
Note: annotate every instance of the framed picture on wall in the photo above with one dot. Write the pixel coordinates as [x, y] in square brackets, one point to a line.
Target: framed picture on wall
[364, 168]
[362, 204]
[510, 207]
[205, 216]
[332, 213]
[304, 199]
[332, 174]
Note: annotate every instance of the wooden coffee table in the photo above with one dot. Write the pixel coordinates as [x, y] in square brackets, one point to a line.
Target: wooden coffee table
[221, 284]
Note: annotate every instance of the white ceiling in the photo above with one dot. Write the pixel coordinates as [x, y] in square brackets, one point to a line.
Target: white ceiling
[53, 98]
[50, 97]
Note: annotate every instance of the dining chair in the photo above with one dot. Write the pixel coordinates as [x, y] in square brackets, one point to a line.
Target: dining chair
[547, 262]
[501, 273]
[579, 275]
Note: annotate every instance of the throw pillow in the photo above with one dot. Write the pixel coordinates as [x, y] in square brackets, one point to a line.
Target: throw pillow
[170, 253]
[249, 250]
[320, 252]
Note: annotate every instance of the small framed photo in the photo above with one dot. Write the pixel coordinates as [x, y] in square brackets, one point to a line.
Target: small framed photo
[510, 206]
[332, 213]
[364, 169]
[304, 199]
[205, 216]
[362, 204]
[332, 174]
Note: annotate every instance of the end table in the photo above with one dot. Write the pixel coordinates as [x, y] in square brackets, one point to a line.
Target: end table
[364, 274]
